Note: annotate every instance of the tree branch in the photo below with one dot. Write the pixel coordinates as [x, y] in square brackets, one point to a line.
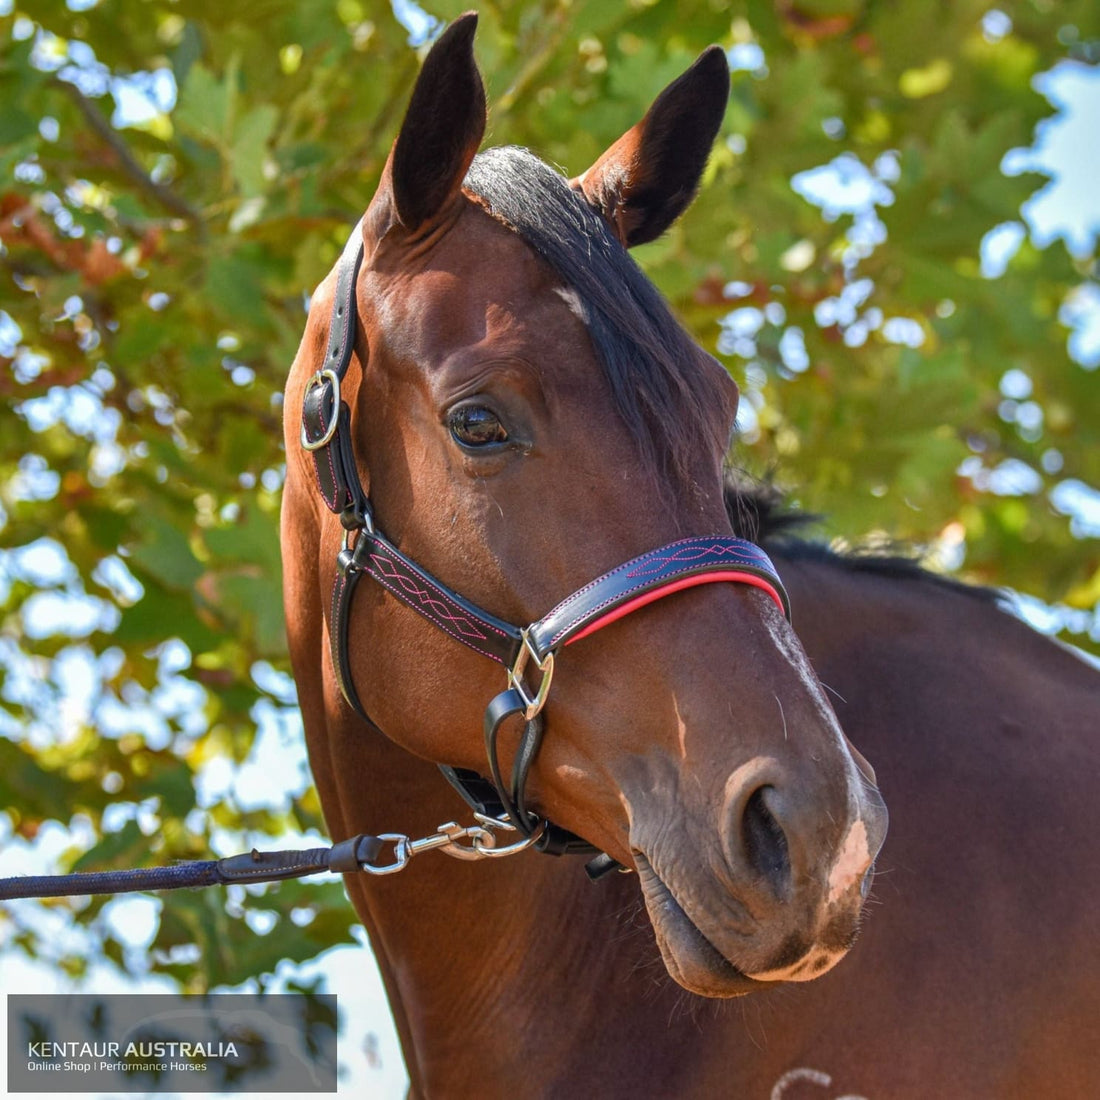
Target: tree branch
[552, 33]
[129, 164]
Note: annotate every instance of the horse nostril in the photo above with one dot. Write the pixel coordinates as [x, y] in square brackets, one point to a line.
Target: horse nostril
[764, 841]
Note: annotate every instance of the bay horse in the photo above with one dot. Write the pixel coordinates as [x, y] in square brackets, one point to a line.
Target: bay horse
[488, 379]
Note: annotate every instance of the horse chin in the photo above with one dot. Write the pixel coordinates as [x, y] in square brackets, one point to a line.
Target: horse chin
[690, 958]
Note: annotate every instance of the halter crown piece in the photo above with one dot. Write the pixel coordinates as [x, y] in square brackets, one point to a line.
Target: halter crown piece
[522, 651]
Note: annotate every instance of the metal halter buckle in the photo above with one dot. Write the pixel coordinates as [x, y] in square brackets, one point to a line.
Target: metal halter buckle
[545, 665]
[318, 379]
[350, 556]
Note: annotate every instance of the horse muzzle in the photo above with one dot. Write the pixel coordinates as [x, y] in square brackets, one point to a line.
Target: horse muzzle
[777, 896]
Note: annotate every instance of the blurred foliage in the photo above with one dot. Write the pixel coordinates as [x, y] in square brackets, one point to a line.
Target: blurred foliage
[175, 177]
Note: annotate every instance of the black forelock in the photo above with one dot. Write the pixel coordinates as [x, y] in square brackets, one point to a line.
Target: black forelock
[662, 391]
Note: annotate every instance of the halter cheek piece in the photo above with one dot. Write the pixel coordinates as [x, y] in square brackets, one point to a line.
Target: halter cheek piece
[522, 651]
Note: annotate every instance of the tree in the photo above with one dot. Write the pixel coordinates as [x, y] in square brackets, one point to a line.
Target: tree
[176, 177]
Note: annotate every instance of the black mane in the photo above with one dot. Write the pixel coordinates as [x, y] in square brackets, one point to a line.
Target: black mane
[658, 375]
[759, 512]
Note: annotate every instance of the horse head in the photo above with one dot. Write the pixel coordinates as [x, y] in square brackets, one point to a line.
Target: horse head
[527, 415]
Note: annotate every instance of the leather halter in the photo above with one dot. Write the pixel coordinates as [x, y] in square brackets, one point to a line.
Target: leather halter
[326, 434]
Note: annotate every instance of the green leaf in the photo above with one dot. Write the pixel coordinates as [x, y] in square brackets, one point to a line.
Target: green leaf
[251, 136]
[165, 553]
[128, 847]
[203, 106]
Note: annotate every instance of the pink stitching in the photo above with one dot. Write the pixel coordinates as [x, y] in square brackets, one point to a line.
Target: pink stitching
[721, 550]
[335, 629]
[617, 569]
[327, 448]
[438, 607]
[332, 471]
[637, 563]
[622, 596]
[395, 572]
[337, 592]
[385, 583]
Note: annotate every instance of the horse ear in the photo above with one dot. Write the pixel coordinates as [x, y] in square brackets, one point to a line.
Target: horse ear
[443, 127]
[646, 180]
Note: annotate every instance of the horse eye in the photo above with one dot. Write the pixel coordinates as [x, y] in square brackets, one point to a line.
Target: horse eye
[476, 426]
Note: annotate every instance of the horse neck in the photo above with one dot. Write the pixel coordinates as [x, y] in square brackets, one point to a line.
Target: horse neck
[853, 619]
[976, 724]
[462, 946]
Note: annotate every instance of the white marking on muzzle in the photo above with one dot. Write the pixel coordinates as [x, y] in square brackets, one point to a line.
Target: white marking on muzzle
[851, 864]
[847, 871]
[813, 964]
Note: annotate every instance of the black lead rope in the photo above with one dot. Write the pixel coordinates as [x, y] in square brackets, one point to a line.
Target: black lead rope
[358, 853]
[355, 854]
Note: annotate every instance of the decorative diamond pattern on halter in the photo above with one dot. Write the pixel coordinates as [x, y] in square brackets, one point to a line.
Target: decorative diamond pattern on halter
[691, 551]
[436, 608]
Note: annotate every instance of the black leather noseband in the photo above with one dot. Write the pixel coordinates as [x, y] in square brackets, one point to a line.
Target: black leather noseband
[326, 434]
